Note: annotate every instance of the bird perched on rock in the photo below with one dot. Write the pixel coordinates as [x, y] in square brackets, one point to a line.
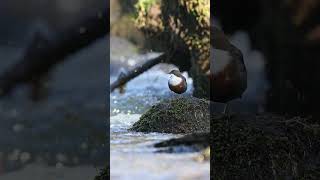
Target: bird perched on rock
[228, 74]
[177, 82]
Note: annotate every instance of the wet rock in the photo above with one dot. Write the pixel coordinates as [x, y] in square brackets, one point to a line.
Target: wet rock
[265, 146]
[180, 115]
[194, 142]
[250, 146]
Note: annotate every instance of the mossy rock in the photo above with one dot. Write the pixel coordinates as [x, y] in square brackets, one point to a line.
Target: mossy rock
[180, 115]
[264, 147]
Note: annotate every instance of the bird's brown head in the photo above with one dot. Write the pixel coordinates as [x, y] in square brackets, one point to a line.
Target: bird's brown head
[175, 72]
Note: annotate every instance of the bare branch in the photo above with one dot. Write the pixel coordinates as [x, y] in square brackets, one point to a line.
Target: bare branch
[122, 80]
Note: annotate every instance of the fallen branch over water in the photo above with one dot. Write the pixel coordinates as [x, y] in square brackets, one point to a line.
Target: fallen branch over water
[124, 78]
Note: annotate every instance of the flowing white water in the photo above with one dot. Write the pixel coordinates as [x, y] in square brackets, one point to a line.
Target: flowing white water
[132, 155]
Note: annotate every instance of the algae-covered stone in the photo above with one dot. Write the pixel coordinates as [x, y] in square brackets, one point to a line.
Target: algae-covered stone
[180, 115]
[264, 147]
[249, 146]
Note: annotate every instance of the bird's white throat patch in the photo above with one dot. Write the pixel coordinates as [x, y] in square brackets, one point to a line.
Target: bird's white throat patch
[174, 80]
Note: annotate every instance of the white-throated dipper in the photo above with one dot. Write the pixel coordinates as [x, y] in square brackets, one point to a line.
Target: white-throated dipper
[177, 82]
[228, 74]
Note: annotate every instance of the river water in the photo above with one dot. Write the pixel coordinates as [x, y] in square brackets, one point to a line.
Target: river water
[132, 155]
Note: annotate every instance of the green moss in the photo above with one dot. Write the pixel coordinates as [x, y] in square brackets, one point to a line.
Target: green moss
[147, 17]
[189, 20]
[145, 5]
[181, 115]
[184, 21]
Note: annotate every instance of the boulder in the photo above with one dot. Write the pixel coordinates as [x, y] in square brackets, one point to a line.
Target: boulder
[180, 115]
[265, 146]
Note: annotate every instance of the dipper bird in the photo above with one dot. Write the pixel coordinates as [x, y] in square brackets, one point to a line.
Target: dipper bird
[228, 74]
[177, 82]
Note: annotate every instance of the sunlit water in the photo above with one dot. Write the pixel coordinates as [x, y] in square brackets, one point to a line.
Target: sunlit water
[132, 154]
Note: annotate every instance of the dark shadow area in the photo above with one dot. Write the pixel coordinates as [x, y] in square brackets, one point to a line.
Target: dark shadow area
[287, 34]
[278, 137]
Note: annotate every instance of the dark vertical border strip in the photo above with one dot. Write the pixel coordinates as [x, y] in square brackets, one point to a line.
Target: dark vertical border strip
[107, 82]
[104, 174]
[108, 90]
[211, 108]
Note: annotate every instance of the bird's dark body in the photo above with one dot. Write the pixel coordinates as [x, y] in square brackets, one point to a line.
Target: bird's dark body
[228, 75]
[230, 81]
